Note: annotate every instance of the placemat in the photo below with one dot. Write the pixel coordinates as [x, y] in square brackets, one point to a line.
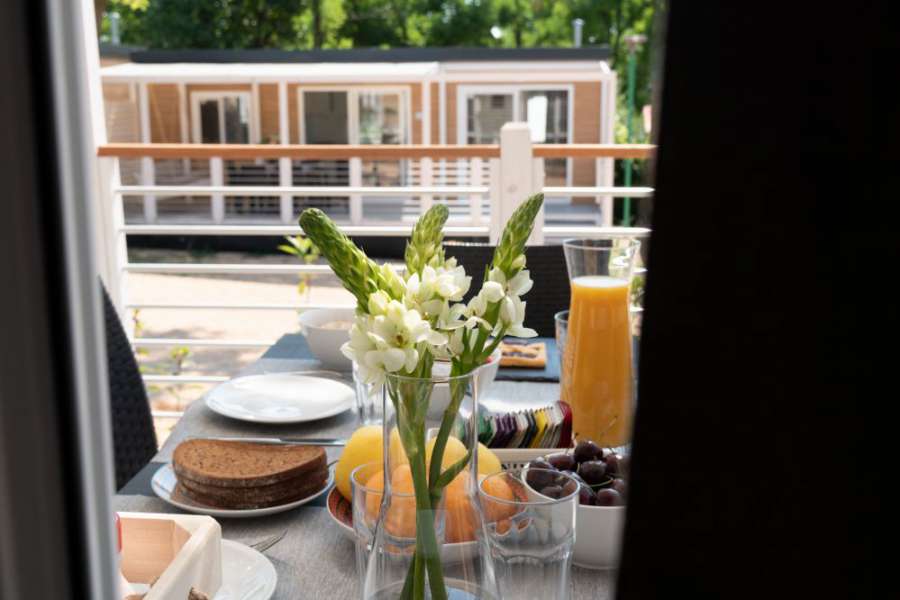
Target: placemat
[294, 346]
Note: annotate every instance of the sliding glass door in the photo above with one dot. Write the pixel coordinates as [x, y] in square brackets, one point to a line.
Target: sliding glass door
[486, 108]
[357, 116]
[221, 117]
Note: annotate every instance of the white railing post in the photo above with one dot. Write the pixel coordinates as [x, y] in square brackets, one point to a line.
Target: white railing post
[285, 165]
[475, 178]
[520, 174]
[183, 125]
[147, 166]
[217, 178]
[426, 177]
[537, 184]
[605, 167]
[286, 201]
[356, 208]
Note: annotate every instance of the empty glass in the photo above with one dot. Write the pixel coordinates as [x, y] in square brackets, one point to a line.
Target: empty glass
[367, 491]
[530, 531]
[561, 322]
[368, 399]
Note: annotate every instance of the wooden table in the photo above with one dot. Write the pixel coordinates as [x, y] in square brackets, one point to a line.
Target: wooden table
[315, 560]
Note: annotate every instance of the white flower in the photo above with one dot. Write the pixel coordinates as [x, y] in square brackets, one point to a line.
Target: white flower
[520, 284]
[395, 283]
[512, 316]
[492, 291]
[378, 303]
[389, 342]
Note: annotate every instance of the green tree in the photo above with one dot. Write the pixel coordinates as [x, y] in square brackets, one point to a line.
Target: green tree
[461, 23]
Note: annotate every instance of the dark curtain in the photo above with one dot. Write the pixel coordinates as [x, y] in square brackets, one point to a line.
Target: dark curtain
[764, 429]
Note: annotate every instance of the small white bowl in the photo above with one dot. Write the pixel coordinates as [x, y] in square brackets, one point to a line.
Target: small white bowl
[598, 536]
[440, 396]
[598, 533]
[326, 343]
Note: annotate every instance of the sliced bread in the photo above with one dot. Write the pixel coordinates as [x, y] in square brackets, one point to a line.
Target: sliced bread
[244, 498]
[244, 464]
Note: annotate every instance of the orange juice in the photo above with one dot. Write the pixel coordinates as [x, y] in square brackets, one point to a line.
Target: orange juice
[597, 382]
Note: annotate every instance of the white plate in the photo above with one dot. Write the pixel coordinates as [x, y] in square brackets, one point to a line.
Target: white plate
[281, 398]
[163, 484]
[246, 574]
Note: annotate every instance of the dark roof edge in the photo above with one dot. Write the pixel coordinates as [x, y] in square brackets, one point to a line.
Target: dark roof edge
[354, 55]
[108, 50]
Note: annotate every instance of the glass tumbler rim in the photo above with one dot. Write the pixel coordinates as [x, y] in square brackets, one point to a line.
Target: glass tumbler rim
[545, 501]
[439, 379]
[562, 316]
[590, 243]
[369, 490]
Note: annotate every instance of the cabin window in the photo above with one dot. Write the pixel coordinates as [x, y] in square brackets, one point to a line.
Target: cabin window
[221, 117]
[546, 111]
[352, 115]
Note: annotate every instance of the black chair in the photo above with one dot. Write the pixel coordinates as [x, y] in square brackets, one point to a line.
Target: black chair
[134, 439]
[547, 265]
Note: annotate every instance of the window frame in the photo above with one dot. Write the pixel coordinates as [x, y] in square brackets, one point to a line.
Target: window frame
[198, 97]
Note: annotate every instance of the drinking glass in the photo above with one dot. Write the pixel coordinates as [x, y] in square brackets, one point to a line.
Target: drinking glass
[530, 534]
[561, 322]
[598, 380]
[367, 492]
[368, 399]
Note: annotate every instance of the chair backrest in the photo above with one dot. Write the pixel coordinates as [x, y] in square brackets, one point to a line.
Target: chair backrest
[547, 265]
[134, 439]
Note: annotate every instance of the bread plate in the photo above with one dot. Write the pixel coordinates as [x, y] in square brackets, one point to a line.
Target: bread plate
[163, 485]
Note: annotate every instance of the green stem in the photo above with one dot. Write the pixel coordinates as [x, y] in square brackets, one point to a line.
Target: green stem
[426, 537]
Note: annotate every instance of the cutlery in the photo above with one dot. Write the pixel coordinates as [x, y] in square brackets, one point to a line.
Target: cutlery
[263, 545]
[278, 441]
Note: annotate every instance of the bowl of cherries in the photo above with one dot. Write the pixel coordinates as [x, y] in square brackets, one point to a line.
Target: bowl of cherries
[602, 475]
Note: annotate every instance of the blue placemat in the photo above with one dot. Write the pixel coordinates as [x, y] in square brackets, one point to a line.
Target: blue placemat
[294, 346]
[290, 346]
[549, 373]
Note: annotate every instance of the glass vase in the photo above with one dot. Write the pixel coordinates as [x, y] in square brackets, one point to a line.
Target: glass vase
[430, 545]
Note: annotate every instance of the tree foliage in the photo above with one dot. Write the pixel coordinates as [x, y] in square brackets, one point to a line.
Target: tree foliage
[299, 24]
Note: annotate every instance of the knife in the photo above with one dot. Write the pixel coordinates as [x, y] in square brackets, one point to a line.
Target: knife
[283, 441]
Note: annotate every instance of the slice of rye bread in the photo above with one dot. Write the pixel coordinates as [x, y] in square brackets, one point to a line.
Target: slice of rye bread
[247, 503]
[244, 464]
[266, 493]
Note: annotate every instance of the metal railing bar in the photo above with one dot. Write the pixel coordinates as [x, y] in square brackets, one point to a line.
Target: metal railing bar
[615, 192]
[566, 231]
[235, 269]
[202, 306]
[185, 378]
[306, 190]
[353, 230]
[167, 414]
[376, 152]
[156, 342]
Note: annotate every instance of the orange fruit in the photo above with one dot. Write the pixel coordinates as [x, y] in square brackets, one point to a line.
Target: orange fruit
[496, 510]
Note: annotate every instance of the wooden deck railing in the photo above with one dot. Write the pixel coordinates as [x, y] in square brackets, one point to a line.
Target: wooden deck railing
[367, 152]
[496, 177]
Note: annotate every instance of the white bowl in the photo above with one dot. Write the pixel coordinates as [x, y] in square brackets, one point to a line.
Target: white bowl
[326, 343]
[440, 396]
[598, 536]
[598, 533]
